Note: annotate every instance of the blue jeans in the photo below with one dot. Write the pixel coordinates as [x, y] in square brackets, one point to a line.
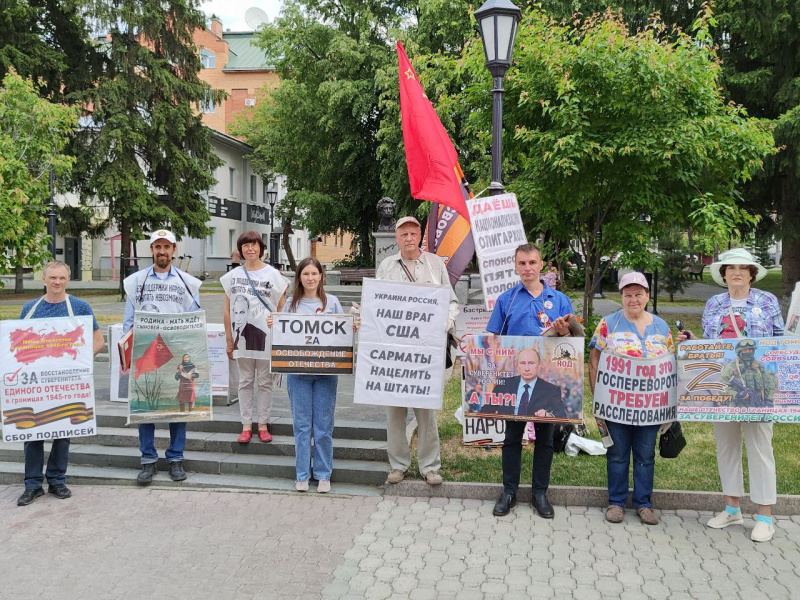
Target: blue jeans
[641, 440]
[56, 463]
[147, 442]
[313, 399]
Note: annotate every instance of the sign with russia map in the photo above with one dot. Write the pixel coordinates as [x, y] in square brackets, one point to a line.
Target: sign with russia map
[47, 391]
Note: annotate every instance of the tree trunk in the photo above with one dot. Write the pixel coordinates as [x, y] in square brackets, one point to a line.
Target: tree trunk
[790, 260]
[124, 254]
[366, 246]
[287, 247]
[18, 285]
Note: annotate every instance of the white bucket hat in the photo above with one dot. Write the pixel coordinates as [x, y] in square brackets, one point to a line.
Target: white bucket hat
[737, 256]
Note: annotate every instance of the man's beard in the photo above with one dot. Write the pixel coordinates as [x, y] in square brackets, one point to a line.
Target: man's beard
[162, 261]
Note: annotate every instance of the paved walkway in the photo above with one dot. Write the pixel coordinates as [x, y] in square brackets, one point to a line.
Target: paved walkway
[110, 543]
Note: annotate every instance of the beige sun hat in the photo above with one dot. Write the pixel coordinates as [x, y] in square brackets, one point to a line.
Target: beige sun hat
[737, 256]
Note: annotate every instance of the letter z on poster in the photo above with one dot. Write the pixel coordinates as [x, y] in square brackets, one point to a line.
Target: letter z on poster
[401, 344]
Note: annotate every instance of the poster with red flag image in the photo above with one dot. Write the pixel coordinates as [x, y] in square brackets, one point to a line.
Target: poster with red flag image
[47, 390]
[170, 376]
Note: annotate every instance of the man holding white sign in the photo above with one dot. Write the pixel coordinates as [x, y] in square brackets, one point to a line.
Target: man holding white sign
[55, 303]
[529, 308]
[415, 266]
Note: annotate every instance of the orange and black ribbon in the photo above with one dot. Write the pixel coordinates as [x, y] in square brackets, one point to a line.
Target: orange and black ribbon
[25, 418]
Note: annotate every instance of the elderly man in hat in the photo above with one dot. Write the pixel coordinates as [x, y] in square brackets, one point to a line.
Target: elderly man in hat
[414, 265]
[164, 289]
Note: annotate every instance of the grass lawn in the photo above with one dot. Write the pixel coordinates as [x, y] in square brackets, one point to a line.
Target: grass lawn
[772, 283]
[695, 469]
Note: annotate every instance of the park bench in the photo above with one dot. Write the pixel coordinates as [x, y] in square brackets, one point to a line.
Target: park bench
[354, 274]
[694, 272]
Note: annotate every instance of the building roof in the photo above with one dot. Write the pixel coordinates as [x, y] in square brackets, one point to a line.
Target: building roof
[244, 53]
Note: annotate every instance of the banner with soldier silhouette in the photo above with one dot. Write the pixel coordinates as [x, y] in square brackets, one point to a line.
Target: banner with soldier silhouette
[746, 379]
[170, 376]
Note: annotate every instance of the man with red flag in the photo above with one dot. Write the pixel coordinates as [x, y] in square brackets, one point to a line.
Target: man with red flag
[434, 174]
[161, 288]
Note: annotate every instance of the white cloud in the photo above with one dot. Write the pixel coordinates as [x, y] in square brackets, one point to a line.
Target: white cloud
[231, 12]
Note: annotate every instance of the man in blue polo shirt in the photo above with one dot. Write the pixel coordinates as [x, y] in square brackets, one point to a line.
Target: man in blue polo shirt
[55, 303]
[528, 308]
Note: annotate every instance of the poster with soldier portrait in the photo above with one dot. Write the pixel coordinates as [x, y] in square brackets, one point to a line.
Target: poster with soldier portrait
[744, 379]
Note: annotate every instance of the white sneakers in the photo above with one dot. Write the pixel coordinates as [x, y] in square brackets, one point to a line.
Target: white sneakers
[762, 532]
[724, 519]
[301, 486]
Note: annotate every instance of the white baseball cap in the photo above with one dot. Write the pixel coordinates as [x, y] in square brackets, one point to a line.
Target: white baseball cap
[406, 220]
[633, 278]
[162, 234]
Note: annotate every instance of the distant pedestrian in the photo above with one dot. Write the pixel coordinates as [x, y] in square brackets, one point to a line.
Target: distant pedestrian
[55, 303]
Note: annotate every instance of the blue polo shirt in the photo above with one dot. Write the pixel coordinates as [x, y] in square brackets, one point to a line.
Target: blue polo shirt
[518, 310]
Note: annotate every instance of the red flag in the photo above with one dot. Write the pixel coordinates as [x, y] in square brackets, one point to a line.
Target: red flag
[432, 161]
[156, 356]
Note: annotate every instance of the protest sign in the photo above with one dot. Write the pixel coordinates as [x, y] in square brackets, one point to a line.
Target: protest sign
[320, 344]
[479, 431]
[793, 316]
[47, 390]
[217, 355]
[218, 358]
[525, 378]
[472, 319]
[497, 230]
[401, 348]
[170, 377]
[739, 379]
[636, 391]
[118, 388]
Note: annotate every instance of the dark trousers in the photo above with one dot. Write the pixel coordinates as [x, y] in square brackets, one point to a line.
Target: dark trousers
[56, 463]
[542, 456]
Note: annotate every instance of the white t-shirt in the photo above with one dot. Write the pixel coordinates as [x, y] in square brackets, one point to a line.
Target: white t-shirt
[251, 336]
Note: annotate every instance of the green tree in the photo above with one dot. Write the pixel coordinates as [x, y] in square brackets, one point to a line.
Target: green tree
[603, 126]
[760, 49]
[48, 41]
[674, 260]
[319, 128]
[33, 134]
[146, 160]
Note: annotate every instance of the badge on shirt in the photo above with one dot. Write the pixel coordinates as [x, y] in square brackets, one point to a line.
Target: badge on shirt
[756, 310]
[543, 318]
[548, 304]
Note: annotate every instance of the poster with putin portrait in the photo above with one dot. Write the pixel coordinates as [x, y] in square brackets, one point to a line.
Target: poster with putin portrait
[524, 378]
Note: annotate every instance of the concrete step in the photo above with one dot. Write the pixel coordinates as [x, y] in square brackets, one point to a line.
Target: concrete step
[12, 473]
[228, 421]
[216, 463]
[206, 441]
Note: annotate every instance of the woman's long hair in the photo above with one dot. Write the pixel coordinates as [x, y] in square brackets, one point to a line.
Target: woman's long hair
[298, 290]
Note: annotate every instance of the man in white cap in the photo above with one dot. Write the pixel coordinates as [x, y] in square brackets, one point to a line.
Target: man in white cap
[411, 264]
[161, 288]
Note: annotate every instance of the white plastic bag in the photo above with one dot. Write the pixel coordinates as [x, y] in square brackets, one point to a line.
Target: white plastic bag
[576, 443]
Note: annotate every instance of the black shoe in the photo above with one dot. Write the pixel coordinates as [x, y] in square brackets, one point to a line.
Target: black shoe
[176, 471]
[147, 473]
[59, 490]
[29, 496]
[504, 505]
[542, 506]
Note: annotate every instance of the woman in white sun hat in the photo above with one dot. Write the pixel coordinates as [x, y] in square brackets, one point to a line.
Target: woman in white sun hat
[743, 311]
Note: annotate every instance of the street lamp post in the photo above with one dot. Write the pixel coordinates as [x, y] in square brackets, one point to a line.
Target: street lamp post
[272, 197]
[51, 217]
[498, 21]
